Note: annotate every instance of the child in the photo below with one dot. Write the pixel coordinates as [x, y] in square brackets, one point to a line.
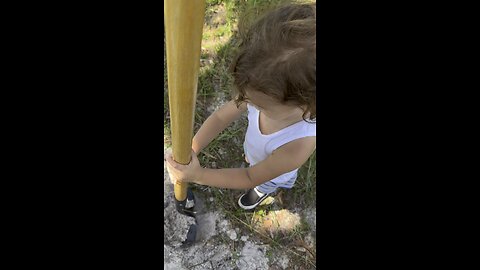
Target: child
[274, 78]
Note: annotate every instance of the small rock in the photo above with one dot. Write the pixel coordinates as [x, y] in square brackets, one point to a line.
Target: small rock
[244, 238]
[301, 249]
[211, 199]
[223, 225]
[232, 234]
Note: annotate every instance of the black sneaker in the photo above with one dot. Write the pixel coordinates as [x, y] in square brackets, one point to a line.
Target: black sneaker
[251, 199]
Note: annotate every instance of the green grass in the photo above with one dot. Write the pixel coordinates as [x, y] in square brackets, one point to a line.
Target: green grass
[226, 151]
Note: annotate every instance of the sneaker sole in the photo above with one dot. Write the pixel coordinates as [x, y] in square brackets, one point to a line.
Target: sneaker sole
[267, 201]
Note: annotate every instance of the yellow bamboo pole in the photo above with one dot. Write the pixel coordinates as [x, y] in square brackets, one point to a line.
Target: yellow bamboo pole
[183, 32]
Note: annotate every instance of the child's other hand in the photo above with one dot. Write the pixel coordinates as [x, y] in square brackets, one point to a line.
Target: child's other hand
[183, 173]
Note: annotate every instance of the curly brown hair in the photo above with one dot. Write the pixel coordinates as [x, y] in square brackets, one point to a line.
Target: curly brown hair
[277, 56]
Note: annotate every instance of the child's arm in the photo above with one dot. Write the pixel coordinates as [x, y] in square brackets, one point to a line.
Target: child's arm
[285, 159]
[216, 123]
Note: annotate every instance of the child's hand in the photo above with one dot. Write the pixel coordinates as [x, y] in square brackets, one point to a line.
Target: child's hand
[183, 173]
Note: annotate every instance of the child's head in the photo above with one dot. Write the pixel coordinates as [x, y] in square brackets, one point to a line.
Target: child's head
[277, 58]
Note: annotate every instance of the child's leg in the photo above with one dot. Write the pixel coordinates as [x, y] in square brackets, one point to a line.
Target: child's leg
[272, 186]
[267, 188]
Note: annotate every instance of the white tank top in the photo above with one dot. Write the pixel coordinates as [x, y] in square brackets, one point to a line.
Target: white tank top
[258, 146]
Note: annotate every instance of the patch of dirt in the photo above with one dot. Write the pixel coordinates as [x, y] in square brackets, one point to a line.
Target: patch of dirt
[252, 257]
[310, 217]
[216, 16]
